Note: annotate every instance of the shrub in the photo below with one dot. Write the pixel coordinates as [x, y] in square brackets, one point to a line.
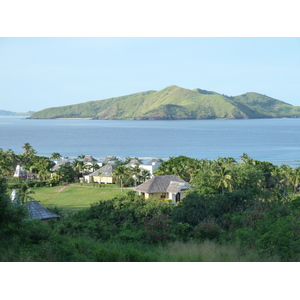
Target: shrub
[207, 230]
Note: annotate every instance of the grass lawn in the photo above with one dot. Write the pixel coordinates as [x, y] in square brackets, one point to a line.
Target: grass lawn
[74, 197]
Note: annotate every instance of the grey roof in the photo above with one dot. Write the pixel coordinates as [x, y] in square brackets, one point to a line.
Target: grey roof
[132, 163]
[109, 158]
[155, 160]
[161, 184]
[37, 211]
[175, 186]
[106, 171]
[63, 162]
[56, 167]
[89, 158]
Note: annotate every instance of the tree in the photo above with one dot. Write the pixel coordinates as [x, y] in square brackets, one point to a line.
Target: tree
[145, 175]
[55, 155]
[135, 171]
[182, 166]
[66, 173]
[8, 161]
[28, 150]
[295, 178]
[120, 172]
[27, 155]
[9, 213]
[223, 178]
[100, 174]
[94, 166]
[43, 174]
[78, 166]
[24, 193]
[40, 165]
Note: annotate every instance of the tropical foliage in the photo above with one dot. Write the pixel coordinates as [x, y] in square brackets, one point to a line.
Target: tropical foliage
[248, 210]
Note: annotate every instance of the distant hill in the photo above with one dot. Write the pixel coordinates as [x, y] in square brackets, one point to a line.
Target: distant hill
[6, 113]
[11, 113]
[173, 103]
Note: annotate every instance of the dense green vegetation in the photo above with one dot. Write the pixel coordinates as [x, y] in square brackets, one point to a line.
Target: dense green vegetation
[238, 211]
[173, 103]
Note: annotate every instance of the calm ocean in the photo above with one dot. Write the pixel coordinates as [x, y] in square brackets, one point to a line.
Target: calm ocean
[273, 140]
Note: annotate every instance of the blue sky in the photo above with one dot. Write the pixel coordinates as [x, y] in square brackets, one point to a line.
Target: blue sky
[38, 73]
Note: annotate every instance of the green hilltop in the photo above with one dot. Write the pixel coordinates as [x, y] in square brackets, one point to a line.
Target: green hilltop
[174, 103]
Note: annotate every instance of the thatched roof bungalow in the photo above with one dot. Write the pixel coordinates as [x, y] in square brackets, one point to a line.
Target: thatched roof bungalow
[164, 187]
[133, 162]
[38, 212]
[63, 162]
[89, 159]
[102, 175]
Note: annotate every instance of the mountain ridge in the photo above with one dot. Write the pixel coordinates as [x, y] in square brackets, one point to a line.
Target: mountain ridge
[12, 113]
[173, 103]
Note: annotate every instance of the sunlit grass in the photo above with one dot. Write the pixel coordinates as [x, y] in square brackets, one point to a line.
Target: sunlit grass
[72, 198]
[207, 251]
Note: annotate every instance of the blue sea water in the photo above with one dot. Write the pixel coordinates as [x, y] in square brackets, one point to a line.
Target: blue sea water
[273, 140]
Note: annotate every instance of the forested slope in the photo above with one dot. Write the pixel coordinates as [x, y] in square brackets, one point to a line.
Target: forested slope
[173, 103]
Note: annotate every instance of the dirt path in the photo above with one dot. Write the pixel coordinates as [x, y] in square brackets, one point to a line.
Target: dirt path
[61, 189]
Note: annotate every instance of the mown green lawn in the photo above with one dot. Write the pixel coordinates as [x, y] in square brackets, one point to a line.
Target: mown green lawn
[74, 197]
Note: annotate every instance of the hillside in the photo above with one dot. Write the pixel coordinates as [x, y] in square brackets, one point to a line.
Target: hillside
[6, 113]
[173, 103]
[88, 109]
[11, 113]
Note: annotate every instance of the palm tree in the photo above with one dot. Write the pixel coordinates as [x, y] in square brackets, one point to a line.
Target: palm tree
[120, 172]
[99, 174]
[247, 159]
[28, 153]
[276, 176]
[43, 173]
[78, 166]
[55, 155]
[7, 161]
[24, 193]
[145, 174]
[287, 173]
[135, 171]
[28, 150]
[295, 178]
[223, 178]
[94, 166]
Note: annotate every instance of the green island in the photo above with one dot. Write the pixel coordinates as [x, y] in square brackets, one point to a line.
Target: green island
[11, 113]
[233, 211]
[175, 103]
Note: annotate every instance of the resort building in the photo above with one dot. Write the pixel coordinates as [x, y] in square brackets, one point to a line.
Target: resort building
[38, 212]
[152, 166]
[164, 187]
[102, 175]
[20, 173]
[60, 163]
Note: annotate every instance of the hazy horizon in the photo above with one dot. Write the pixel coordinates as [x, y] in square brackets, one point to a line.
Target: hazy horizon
[50, 72]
